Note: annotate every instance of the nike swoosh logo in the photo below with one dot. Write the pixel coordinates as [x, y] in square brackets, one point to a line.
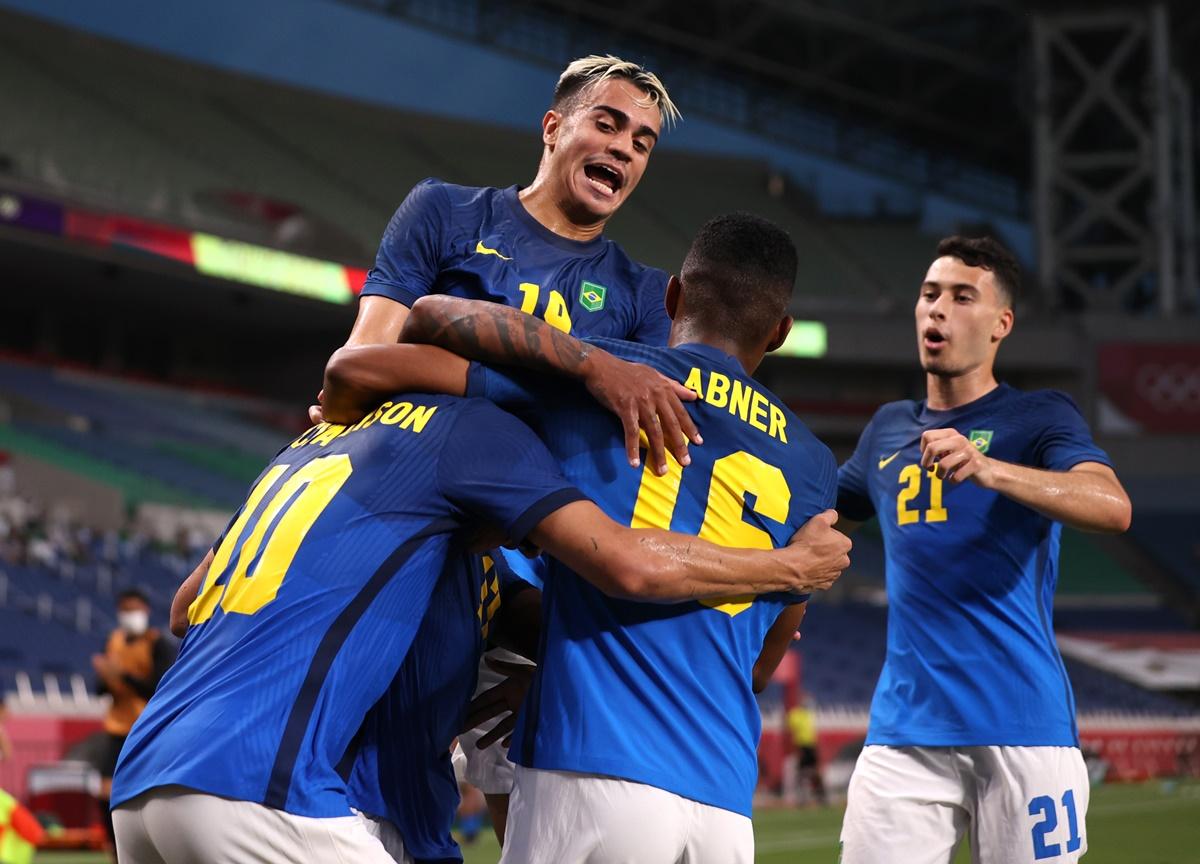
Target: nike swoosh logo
[883, 463]
[483, 250]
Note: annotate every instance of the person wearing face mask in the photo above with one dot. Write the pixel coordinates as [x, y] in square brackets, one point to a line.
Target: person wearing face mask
[135, 658]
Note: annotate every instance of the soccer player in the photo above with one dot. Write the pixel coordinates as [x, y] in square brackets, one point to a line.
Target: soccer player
[638, 740]
[539, 248]
[973, 720]
[313, 596]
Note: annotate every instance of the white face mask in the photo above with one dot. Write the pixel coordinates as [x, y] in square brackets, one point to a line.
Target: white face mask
[134, 621]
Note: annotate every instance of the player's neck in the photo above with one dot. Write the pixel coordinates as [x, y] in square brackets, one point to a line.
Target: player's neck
[944, 392]
[688, 333]
[542, 204]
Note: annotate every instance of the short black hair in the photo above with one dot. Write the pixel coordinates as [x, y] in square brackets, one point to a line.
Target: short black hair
[990, 254]
[133, 594]
[739, 274]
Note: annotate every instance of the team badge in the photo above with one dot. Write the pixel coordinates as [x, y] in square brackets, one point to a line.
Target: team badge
[591, 296]
[981, 438]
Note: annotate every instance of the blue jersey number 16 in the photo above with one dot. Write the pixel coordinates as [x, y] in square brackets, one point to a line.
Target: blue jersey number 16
[1044, 805]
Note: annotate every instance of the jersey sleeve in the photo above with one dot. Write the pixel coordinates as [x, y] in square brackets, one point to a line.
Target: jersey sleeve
[853, 493]
[493, 468]
[829, 480]
[515, 390]
[410, 252]
[1063, 439]
[653, 326]
[518, 567]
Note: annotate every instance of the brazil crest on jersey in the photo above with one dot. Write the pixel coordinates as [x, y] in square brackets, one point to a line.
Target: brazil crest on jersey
[402, 772]
[482, 244]
[971, 656]
[316, 591]
[661, 694]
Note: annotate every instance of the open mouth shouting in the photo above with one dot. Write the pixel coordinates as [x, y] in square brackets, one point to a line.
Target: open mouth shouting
[933, 339]
[605, 178]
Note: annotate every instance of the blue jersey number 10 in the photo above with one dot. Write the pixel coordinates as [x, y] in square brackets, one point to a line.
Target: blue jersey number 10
[265, 549]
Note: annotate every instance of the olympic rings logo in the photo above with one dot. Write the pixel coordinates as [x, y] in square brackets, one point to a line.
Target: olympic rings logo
[1170, 388]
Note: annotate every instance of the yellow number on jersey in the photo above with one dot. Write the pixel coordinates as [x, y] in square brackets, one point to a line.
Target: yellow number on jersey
[733, 477]
[910, 477]
[289, 515]
[556, 313]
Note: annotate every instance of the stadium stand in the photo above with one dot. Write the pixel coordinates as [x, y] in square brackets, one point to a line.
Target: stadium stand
[844, 644]
[181, 143]
[1170, 540]
[155, 443]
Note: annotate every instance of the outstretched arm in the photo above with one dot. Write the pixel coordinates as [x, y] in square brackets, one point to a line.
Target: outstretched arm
[357, 377]
[663, 566]
[1088, 497]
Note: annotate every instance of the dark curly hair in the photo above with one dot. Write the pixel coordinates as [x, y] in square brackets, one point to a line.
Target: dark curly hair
[990, 254]
[741, 269]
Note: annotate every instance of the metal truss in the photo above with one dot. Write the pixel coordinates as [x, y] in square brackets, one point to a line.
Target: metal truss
[1114, 196]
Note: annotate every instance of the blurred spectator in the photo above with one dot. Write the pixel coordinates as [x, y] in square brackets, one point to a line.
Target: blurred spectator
[8, 480]
[6, 748]
[802, 723]
[134, 661]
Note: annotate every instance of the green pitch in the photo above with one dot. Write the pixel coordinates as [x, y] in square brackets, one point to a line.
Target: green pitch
[1151, 823]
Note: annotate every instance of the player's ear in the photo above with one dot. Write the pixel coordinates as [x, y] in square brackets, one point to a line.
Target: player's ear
[671, 300]
[551, 125]
[1004, 325]
[781, 333]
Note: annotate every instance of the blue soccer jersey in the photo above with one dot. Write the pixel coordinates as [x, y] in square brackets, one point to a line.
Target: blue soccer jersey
[971, 656]
[316, 591]
[402, 771]
[653, 693]
[482, 244]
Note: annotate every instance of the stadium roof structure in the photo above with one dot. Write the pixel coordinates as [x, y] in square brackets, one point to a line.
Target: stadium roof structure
[939, 91]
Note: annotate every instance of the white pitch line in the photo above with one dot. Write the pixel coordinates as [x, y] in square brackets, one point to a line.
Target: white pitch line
[797, 840]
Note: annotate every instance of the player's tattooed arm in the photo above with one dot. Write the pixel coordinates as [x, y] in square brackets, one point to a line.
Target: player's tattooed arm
[641, 397]
[1088, 497]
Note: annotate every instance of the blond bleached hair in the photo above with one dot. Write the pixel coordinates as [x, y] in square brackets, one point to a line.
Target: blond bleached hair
[587, 72]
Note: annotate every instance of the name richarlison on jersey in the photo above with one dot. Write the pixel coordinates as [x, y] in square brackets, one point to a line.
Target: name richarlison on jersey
[741, 400]
[402, 415]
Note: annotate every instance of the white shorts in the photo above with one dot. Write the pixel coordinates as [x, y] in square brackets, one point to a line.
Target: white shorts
[387, 834]
[557, 817]
[489, 770]
[913, 804]
[174, 825]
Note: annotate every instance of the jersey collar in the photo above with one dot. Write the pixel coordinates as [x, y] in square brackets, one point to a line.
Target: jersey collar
[715, 355]
[579, 247]
[925, 413]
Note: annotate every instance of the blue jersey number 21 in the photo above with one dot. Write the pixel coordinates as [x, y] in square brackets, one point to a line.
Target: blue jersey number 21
[1044, 805]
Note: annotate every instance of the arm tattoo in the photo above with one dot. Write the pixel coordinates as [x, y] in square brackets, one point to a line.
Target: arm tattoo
[500, 334]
